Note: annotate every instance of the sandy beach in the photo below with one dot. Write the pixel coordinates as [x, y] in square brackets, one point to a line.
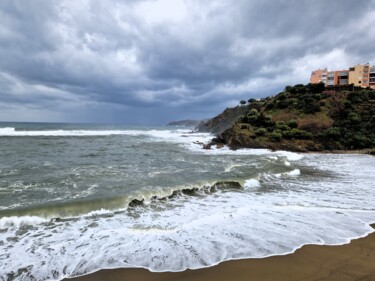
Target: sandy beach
[354, 261]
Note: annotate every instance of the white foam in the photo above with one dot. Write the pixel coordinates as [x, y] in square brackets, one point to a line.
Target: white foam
[231, 167]
[251, 183]
[99, 213]
[172, 135]
[17, 222]
[290, 156]
[7, 130]
[294, 173]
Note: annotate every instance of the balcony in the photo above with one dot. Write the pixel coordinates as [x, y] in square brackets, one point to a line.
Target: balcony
[344, 82]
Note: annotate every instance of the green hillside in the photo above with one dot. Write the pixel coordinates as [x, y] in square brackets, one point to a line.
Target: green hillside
[302, 118]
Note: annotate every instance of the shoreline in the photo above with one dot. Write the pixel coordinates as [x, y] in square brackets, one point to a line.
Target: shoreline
[348, 262]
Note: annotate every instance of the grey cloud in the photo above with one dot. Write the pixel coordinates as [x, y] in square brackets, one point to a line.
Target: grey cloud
[84, 55]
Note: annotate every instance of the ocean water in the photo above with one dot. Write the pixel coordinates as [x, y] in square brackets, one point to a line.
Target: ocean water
[78, 198]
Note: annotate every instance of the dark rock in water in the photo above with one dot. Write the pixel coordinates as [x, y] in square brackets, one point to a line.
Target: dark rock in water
[217, 140]
[220, 145]
[227, 185]
[207, 146]
[135, 203]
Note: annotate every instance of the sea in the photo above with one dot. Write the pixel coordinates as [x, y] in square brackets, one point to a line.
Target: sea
[77, 198]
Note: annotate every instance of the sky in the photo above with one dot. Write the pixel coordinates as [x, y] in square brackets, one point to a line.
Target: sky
[155, 61]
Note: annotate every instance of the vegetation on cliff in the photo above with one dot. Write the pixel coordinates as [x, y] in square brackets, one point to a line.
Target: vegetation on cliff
[305, 118]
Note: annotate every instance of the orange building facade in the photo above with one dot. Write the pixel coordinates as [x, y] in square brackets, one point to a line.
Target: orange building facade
[361, 75]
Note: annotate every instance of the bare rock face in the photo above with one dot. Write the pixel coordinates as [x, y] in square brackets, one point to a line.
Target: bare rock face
[223, 121]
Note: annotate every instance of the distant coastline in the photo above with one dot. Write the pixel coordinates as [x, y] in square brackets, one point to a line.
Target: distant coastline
[185, 123]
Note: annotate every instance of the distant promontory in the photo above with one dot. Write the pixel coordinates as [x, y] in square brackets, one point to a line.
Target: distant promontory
[301, 118]
[186, 123]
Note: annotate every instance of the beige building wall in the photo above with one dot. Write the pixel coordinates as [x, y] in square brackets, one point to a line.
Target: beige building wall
[359, 75]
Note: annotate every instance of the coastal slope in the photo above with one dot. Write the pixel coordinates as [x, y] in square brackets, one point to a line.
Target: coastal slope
[301, 118]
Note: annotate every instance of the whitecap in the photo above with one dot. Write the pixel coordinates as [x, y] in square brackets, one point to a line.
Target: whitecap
[17, 222]
[251, 183]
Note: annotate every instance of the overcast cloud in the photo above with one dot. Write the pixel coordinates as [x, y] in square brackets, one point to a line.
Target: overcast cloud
[155, 61]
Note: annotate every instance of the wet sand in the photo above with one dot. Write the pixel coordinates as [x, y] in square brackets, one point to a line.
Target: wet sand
[351, 262]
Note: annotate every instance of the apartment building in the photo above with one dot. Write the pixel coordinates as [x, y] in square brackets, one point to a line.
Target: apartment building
[361, 75]
[318, 76]
[372, 77]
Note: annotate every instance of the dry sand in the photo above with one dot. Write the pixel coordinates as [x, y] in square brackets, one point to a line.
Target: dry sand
[351, 262]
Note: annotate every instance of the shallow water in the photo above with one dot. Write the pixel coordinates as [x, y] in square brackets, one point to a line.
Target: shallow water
[67, 200]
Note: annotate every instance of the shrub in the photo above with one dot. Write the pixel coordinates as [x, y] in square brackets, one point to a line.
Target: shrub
[251, 100]
[288, 88]
[316, 88]
[261, 132]
[276, 136]
[292, 124]
[265, 121]
[300, 134]
[281, 96]
[282, 104]
[287, 134]
[269, 106]
[280, 125]
[334, 133]
[254, 112]
[354, 118]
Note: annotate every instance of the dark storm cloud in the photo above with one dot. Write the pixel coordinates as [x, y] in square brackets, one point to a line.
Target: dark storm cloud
[158, 60]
